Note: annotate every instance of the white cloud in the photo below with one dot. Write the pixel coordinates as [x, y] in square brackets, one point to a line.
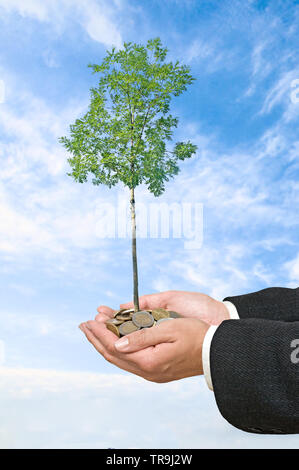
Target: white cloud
[45, 215]
[280, 93]
[203, 271]
[84, 410]
[18, 232]
[262, 272]
[210, 55]
[261, 67]
[41, 214]
[100, 27]
[38, 325]
[199, 50]
[99, 19]
[32, 8]
[292, 268]
[58, 219]
[50, 59]
[258, 63]
[243, 217]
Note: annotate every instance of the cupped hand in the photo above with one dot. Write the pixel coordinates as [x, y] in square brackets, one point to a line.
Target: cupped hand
[163, 353]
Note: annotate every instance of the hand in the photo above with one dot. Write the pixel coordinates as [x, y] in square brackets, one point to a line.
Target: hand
[188, 304]
[169, 351]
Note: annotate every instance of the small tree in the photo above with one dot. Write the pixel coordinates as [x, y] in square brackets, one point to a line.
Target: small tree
[123, 135]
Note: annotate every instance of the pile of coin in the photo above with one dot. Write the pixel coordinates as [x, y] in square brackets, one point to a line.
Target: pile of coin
[128, 321]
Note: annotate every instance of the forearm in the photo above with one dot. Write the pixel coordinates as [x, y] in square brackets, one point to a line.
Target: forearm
[275, 303]
[255, 380]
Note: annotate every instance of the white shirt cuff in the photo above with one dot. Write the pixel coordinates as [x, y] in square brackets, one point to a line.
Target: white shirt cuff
[233, 315]
[233, 312]
[206, 355]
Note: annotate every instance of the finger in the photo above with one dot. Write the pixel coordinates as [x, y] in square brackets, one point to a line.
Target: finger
[130, 366]
[102, 317]
[108, 339]
[151, 301]
[104, 313]
[145, 338]
[105, 310]
[92, 339]
[128, 304]
[101, 332]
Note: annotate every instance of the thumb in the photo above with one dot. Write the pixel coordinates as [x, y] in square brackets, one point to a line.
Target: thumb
[142, 303]
[149, 301]
[127, 305]
[144, 338]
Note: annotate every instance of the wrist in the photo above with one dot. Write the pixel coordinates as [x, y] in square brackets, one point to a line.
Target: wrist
[221, 313]
[225, 314]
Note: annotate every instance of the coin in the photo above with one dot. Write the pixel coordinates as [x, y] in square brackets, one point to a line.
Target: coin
[159, 313]
[127, 327]
[129, 310]
[114, 321]
[119, 311]
[163, 319]
[143, 319]
[113, 328]
[124, 317]
[173, 314]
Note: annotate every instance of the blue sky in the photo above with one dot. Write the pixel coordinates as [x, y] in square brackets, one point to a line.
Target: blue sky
[55, 390]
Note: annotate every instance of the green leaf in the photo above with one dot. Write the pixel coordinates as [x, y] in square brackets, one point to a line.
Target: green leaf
[122, 137]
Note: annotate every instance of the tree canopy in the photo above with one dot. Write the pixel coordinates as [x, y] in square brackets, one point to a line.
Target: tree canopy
[124, 134]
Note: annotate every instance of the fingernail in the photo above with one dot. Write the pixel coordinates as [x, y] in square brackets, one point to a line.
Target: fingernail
[121, 343]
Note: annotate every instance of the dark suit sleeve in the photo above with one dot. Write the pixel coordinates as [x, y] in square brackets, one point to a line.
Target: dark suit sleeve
[255, 374]
[274, 303]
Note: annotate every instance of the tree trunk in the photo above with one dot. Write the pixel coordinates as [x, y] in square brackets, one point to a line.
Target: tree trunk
[134, 251]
